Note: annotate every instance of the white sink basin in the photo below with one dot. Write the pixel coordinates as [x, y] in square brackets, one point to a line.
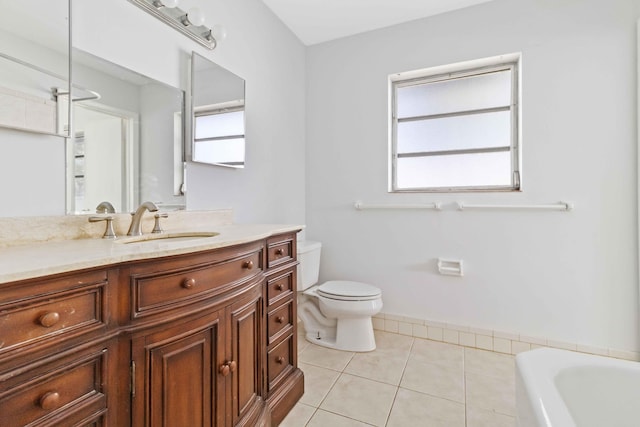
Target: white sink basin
[169, 236]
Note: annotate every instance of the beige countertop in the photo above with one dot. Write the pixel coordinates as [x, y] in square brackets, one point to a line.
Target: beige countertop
[39, 259]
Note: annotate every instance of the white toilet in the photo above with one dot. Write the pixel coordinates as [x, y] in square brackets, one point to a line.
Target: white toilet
[336, 314]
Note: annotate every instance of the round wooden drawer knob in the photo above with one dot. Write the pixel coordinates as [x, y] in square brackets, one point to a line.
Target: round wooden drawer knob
[228, 367]
[224, 370]
[280, 286]
[188, 283]
[280, 360]
[279, 251]
[49, 400]
[280, 319]
[49, 319]
[248, 265]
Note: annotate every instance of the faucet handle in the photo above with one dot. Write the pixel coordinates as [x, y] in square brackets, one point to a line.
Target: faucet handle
[156, 226]
[108, 232]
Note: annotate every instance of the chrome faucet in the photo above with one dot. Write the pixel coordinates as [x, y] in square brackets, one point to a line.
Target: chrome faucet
[105, 207]
[136, 218]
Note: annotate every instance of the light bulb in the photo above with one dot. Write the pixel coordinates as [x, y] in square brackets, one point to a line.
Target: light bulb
[219, 32]
[195, 16]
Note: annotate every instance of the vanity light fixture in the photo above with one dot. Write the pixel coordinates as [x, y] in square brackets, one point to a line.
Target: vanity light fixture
[190, 23]
[193, 17]
[166, 3]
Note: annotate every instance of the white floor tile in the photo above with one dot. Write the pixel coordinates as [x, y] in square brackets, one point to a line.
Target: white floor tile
[360, 399]
[405, 382]
[439, 353]
[325, 357]
[489, 363]
[482, 418]
[435, 380]
[386, 341]
[324, 419]
[302, 344]
[299, 416]
[317, 383]
[386, 364]
[490, 393]
[416, 409]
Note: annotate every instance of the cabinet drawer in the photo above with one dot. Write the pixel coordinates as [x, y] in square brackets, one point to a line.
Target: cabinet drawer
[23, 291]
[280, 249]
[280, 322]
[91, 421]
[59, 315]
[280, 362]
[153, 293]
[279, 287]
[69, 391]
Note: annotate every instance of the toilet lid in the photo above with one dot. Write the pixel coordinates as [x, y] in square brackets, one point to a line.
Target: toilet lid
[348, 291]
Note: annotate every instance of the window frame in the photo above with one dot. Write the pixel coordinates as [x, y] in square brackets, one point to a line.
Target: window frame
[447, 73]
[217, 109]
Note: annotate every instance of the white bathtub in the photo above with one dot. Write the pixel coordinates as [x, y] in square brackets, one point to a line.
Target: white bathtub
[557, 388]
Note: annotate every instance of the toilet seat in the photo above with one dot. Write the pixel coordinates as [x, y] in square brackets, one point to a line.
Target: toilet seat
[344, 290]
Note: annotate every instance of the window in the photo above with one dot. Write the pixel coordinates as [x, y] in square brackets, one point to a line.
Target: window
[456, 130]
[219, 135]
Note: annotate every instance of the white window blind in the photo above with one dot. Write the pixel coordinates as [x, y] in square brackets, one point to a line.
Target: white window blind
[219, 136]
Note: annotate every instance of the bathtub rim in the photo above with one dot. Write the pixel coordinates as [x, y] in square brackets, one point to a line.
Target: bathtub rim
[536, 372]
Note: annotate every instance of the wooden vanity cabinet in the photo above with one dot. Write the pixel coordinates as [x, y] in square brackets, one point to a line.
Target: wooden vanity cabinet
[203, 367]
[203, 371]
[56, 340]
[283, 381]
[200, 339]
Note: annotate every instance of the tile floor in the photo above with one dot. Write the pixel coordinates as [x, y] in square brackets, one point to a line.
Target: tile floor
[405, 382]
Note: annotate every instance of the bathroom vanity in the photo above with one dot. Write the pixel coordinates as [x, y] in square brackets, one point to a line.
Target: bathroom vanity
[198, 332]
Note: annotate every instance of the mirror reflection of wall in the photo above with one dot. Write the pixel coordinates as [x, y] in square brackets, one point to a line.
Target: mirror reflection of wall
[29, 99]
[218, 107]
[124, 136]
[104, 138]
[34, 65]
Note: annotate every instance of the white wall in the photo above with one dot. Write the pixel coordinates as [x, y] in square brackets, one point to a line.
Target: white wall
[32, 173]
[566, 276]
[271, 186]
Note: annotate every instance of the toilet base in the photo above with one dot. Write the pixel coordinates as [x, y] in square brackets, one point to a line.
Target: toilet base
[350, 335]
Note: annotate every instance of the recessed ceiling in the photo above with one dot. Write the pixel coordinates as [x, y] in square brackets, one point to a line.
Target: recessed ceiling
[317, 21]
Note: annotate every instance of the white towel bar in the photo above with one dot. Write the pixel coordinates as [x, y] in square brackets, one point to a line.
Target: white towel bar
[461, 206]
[560, 206]
[361, 206]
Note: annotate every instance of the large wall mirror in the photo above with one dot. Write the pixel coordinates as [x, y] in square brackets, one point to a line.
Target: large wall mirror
[121, 139]
[34, 66]
[128, 135]
[218, 99]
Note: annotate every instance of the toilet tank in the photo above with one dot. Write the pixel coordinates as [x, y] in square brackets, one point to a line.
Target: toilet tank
[309, 267]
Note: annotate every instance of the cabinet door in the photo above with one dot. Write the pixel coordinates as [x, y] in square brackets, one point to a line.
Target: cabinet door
[176, 380]
[246, 345]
